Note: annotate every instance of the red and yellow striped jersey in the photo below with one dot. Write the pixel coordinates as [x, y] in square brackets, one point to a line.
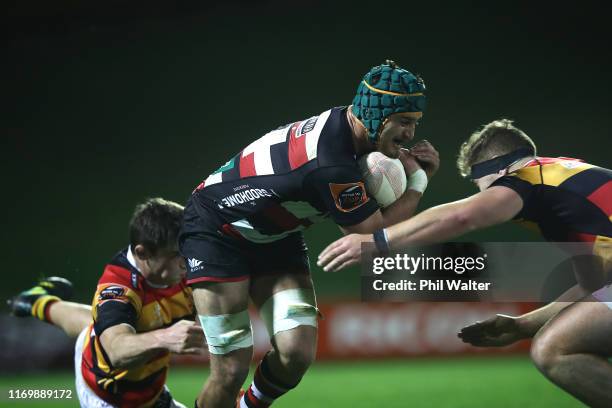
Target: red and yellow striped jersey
[566, 200]
[123, 296]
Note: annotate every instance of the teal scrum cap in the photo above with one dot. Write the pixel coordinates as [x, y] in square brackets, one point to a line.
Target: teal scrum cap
[385, 90]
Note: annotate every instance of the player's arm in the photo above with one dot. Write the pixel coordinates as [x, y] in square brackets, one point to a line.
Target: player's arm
[125, 348]
[590, 276]
[502, 330]
[529, 323]
[493, 206]
[405, 206]
[341, 192]
[117, 308]
[369, 225]
[437, 224]
[420, 163]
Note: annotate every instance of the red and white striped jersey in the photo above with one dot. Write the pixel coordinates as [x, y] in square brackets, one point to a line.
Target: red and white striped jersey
[287, 180]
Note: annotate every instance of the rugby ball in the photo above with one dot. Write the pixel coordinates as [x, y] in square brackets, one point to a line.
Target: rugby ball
[385, 178]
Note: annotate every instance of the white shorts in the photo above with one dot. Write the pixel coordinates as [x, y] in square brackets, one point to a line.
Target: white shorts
[88, 398]
[604, 295]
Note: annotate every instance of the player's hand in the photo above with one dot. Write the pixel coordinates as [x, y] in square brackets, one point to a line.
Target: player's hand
[184, 337]
[427, 156]
[343, 253]
[498, 331]
[409, 162]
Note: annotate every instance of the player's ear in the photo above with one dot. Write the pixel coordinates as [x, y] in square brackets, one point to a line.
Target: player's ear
[141, 252]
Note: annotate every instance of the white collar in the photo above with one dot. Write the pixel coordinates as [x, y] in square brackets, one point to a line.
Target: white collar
[130, 258]
[132, 261]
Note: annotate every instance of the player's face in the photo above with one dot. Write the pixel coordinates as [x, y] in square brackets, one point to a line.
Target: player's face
[396, 132]
[166, 267]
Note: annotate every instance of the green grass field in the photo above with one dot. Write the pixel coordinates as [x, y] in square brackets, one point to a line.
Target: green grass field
[458, 382]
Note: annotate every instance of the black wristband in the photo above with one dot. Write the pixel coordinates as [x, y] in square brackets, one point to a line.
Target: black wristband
[380, 239]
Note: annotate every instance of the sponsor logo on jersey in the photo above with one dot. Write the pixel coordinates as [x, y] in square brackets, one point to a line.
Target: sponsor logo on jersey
[245, 196]
[308, 126]
[195, 264]
[111, 292]
[134, 278]
[348, 196]
[571, 164]
[227, 166]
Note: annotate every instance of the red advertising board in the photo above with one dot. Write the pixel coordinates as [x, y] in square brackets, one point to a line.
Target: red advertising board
[358, 330]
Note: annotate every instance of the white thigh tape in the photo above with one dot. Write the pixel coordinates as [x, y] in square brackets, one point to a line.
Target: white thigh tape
[288, 309]
[417, 181]
[225, 333]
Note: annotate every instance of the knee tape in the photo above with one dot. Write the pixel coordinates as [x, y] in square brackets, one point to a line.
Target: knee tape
[289, 309]
[225, 333]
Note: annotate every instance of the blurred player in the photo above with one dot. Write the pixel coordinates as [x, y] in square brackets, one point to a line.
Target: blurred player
[122, 357]
[568, 200]
[242, 231]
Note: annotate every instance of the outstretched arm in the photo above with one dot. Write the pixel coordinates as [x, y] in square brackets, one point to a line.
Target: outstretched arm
[493, 206]
[437, 224]
[502, 330]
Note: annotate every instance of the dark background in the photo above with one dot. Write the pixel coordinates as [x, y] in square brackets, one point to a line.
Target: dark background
[109, 103]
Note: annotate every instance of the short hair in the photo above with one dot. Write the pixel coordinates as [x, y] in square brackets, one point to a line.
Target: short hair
[492, 140]
[155, 224]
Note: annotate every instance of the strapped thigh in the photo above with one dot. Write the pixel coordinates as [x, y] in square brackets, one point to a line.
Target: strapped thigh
[228, 332]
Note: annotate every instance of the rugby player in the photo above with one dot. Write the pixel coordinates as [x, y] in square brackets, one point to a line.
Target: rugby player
[242, 235]
[568, 200]
[140, 315]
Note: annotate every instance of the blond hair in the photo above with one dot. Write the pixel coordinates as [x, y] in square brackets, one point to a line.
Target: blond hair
[493, 139]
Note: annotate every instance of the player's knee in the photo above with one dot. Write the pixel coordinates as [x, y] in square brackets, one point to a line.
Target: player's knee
[291, 319]
[545, 352]
[230, 375]
[296, 358]
[297, 348]
[230, 343]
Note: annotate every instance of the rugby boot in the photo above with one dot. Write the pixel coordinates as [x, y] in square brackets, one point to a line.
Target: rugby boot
[32, 302]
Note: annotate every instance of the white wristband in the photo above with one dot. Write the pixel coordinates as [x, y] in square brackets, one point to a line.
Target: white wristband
[418, 181]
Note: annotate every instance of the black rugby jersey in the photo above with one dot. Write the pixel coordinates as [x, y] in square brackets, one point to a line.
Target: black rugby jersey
[287, 180]
[566, 199]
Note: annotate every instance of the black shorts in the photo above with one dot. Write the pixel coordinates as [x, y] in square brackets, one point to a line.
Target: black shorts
[212, 255]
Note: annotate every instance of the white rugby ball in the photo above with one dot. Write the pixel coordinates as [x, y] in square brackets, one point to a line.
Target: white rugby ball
[385, 178]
